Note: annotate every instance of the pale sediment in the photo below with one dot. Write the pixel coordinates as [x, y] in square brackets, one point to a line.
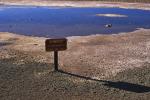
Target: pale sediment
[111, 15]
[97, 56]
[145, 6]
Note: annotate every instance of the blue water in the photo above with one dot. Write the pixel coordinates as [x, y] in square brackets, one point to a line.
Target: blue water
[63, 22]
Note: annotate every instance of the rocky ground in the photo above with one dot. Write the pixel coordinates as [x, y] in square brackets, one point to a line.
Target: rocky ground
[94, 67]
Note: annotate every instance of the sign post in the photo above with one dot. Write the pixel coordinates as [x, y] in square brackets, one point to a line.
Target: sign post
[56, 45]
[56, 60]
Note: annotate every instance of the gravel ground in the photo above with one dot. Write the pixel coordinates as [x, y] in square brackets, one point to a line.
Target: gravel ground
[28, 79]
[94, 67]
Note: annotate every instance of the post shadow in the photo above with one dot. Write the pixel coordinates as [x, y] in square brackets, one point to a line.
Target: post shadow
[118, 84]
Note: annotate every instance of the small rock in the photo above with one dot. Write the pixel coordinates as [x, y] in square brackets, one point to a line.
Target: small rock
[108, 25]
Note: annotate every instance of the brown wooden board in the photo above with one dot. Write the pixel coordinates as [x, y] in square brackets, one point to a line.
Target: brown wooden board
[56, 44]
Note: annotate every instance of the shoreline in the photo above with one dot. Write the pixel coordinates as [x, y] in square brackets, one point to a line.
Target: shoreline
[142, 6]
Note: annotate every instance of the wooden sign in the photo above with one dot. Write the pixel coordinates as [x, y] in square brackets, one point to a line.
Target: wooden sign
[56, 44]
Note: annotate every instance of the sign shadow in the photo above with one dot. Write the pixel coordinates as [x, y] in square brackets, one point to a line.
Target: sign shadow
[131, 87]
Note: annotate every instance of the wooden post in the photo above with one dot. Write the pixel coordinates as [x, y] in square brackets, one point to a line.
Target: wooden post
[56, 60]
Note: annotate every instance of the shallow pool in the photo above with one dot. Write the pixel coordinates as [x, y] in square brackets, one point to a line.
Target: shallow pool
[70, 21]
